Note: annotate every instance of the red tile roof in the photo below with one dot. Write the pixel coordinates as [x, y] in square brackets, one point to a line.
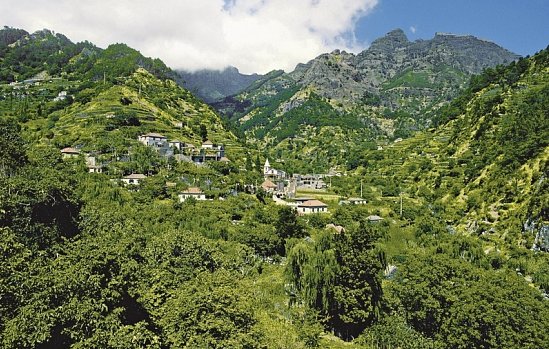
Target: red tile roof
[70, 151]
[154, 135]
[268, 184]
[135, 176]
[313, 203]
[193, 190]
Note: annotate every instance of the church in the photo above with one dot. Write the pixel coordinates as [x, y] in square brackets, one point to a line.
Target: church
[272, 173]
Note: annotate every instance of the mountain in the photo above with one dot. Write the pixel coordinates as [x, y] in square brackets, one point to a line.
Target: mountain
[23, 55]
[388, 91]
[484, 169]
[214, 85]
[78, 95]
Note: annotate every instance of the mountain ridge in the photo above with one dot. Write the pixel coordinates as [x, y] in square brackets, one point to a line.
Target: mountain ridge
[391, 89]
[213, 85]
[487, 161]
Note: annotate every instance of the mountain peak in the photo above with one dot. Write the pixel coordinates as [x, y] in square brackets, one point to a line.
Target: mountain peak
[397, 33]
[391, 40]
[231, 69]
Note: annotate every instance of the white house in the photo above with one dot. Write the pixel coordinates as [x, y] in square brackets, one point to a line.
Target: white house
[176, 144]
[357, 201]
[207, 144]
[208, 152]
[134, 178]
[374, 218]
[153, 140]
[310, 181]
[312, 206]
[93, 166]
[192, 192]
[302, 199]
[61, 96]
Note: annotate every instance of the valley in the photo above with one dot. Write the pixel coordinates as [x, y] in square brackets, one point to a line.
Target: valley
[394, 198]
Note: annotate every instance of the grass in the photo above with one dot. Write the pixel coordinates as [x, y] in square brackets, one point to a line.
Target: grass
[409, 78]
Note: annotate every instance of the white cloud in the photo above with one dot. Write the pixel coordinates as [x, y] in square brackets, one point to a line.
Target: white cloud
[253, 35]
[413, 29]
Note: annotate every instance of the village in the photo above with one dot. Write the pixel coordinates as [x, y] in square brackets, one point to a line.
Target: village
[277, 184]
[178, 150]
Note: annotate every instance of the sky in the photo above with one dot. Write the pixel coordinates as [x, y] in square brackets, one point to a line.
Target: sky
[257, 36]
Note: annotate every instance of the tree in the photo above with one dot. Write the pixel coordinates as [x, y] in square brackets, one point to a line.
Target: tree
[340, 276]
[464, 306]
[210, 312]
[248, 162]
[496, 311]
[146, 159]
[357, 287]
[312, 267]
[394, 332]
[288, 225]
[203, 132]
[258, 166]
[39, 202]
[12, 147]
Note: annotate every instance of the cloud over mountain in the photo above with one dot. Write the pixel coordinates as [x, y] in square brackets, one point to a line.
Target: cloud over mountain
[254, 35]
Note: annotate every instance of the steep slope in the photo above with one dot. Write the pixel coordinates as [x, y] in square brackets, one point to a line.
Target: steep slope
[387, 91]
[99, 99]
[214, 85]
[484, 170]
[24, 55]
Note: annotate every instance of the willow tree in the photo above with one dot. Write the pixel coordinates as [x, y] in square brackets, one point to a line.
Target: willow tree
[340, 276]
[311, 268]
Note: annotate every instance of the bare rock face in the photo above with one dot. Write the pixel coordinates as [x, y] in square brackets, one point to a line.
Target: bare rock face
[446, 59]
[542, 238]
[393, 67]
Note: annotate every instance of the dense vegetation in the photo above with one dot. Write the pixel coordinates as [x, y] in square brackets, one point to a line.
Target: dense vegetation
[459, 260]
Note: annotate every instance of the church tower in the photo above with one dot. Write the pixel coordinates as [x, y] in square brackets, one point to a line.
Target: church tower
[266, 167]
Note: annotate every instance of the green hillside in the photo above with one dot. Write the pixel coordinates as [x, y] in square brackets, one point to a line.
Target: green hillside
[446, 248]
[100, 100]
[483, 169]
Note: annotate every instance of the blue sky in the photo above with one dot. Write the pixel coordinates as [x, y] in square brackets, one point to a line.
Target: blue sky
[519, 26]
[257, 36]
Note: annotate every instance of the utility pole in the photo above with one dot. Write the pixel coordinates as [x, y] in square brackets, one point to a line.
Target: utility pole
[401, 204]
[361, 188]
